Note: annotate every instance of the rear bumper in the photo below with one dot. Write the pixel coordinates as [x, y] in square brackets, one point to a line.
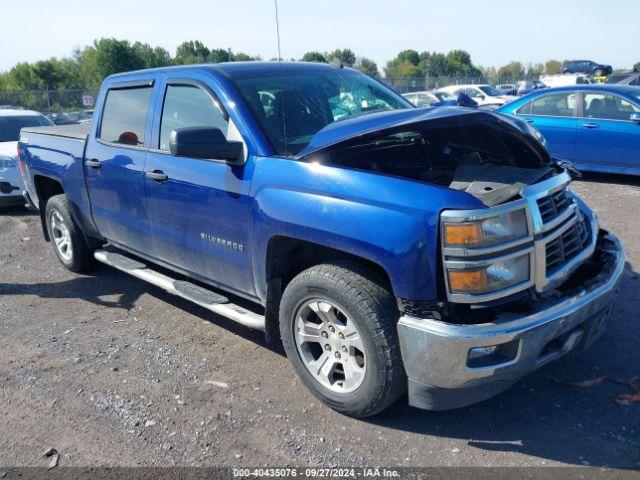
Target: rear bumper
[442, 373]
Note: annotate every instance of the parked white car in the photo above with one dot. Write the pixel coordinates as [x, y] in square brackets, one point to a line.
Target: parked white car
[566, 80]
[11, 121]
[426, 98]
[483, 94]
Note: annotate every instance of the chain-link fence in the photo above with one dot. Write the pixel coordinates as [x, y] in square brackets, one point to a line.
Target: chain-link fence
[50, 101]
[73, 100]
[429, 82]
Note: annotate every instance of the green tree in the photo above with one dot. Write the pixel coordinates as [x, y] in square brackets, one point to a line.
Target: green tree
[346, 56]
[314, 57]
[219, 55]
[407, 64]
[490, 73]
[243, 57]
[368, 66]
[513, 71]
[152, 57]
[459, 63]
[636, 67]
[410, 56]
[48, 73]
[436, 63]
[115, 56]
[535, 69]
[21, 77]
[193, 51]
[552, 67]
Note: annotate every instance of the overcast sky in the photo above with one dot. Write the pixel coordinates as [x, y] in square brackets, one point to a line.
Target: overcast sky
[493, 32]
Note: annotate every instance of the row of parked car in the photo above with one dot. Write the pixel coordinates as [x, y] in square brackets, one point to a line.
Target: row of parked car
[596, 127]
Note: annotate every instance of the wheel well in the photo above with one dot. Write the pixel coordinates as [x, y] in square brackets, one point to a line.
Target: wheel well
[287, 257]
[46, 188]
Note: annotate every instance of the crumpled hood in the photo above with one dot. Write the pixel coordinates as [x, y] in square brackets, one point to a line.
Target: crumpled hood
[348, 129]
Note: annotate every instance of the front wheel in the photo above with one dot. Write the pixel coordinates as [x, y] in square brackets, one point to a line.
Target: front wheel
[68, 241]
[338, 327]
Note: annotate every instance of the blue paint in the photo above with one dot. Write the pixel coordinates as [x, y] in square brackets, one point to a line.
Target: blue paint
[591, 143]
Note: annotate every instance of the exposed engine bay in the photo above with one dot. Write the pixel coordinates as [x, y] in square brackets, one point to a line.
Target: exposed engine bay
[480, 154]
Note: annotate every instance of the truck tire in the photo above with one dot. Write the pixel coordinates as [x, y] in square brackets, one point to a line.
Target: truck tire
[68, 241]
[599, 72]
[338, 327]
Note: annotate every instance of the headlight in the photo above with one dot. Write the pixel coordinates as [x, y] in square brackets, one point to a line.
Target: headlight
[535, 133]
[495, 275]
[501, 228]
[7, 162]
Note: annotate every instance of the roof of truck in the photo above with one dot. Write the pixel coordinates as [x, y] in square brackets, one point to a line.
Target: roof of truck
[241, 69]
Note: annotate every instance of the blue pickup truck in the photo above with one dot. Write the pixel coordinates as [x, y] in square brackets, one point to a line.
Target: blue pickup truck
[390, 248]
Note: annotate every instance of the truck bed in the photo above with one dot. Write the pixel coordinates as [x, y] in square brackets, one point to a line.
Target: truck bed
[57, 152]
[79, 131]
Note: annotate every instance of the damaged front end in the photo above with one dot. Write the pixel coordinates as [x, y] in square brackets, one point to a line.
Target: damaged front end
[454, 365]
[525, 280]
[487, 155]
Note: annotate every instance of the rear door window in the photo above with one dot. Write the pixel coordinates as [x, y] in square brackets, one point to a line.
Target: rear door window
[607, 106]
[125, 116]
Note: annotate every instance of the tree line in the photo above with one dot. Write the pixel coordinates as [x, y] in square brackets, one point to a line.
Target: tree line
[87, 67]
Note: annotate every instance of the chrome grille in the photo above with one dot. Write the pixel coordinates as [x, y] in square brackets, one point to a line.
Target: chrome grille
[568, 245]
[553, 205]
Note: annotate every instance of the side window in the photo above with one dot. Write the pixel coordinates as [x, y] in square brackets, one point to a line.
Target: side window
[555, 105]
[473, 92]
[189, 106]
[422, 101]
[125, 116]
[607, 106]
[525, 109]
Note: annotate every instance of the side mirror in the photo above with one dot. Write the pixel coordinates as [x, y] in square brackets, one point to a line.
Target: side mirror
[635, 118]
[207, 143]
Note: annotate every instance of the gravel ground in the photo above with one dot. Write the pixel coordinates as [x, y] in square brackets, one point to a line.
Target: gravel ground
[111, 371]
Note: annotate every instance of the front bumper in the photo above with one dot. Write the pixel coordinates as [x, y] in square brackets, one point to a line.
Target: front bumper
[436, 355]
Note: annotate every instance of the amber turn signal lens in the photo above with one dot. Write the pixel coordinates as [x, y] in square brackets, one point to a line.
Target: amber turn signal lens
[462, 234]
[467, 280]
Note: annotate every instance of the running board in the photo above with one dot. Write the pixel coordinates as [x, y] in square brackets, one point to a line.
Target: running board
[205, 298]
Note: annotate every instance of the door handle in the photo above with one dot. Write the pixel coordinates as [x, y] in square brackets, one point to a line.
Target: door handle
[157, 176]
[590, 125]
[93, 163]
[528, 120]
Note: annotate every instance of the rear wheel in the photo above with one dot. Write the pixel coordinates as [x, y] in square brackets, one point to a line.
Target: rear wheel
[338, 327]
[69, 243]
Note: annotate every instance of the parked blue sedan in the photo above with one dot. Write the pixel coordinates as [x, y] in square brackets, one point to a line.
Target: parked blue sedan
[596, 127]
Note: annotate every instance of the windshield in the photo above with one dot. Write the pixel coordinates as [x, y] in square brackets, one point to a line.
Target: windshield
[489, 90]
[10, 126]
[292, 108]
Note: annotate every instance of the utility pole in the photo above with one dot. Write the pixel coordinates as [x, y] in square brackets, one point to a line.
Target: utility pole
[427, 65]
[46, 92]
[229, 51]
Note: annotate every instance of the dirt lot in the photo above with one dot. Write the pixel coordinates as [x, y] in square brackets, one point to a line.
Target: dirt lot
[111, 371]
